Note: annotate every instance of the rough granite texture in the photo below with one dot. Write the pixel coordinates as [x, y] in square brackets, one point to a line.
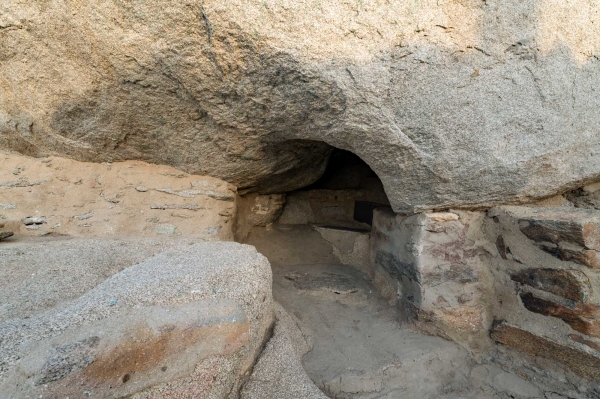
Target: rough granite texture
[452, 103]
[222, 289]
[278, 374]
[36, 276]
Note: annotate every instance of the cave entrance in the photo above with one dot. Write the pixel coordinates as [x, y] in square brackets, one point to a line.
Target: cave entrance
[344, 197]
[318, 241]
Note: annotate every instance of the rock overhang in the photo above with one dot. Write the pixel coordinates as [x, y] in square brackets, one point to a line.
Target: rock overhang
[452, 105]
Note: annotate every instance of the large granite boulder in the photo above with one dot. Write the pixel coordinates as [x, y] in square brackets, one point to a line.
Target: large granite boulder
[187, 323]
[452, 103]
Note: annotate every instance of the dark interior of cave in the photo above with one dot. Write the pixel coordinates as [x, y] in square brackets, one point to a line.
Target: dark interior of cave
[347, 172]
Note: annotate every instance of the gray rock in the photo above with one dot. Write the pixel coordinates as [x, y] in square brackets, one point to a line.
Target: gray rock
[330, 282]
[84, 217]
[68, 358]
[160, 328]
[166, 229]
[32, 220]
[483, 103]
[278, 374]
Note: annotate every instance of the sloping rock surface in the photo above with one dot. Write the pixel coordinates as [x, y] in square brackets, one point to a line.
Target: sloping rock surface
[187, 323]
[452, 103]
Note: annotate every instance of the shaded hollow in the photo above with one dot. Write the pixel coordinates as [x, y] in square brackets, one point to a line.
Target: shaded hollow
[344, 196]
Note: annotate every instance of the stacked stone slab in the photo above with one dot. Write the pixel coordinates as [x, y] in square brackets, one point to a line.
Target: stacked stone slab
[545, 282]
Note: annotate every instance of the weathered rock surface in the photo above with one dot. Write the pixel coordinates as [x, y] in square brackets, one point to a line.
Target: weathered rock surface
[59, 270]
[581, 363]
[351, 246]
[60, 196]
[569, 234]
[585, 197]
[451, 103]
[186, 323]
[582, 317]
[5, 234]
[266, 209]
[569, 284]
[433, 263]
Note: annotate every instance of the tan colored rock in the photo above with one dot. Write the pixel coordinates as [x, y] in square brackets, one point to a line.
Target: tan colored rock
[65, 197]
[266, 209]
[453, 104]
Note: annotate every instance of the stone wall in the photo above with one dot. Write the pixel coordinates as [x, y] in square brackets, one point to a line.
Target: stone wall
[324, 206]
[546, 279]
[431, 265]
[523, 277]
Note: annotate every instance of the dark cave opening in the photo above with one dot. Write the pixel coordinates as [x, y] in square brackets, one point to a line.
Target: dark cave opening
[345, 195]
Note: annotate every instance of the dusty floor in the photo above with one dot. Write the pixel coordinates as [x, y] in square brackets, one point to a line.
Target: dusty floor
[360, 349]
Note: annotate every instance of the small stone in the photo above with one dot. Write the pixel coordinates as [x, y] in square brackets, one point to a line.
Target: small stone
[502, 248]
[266, 209]
[5, 235]
[141, 189]
[166, 229]
[84, 217]
[31, 220]
[212, 230]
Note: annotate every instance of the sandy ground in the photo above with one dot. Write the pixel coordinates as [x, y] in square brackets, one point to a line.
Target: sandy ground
[360, 349]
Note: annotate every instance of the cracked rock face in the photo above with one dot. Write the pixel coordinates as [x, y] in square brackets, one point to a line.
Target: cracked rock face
[452, 103]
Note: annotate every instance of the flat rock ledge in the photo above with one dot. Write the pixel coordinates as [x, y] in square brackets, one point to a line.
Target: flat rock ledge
[189, 322]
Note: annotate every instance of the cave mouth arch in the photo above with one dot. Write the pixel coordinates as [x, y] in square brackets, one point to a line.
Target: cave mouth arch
[344, 196]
